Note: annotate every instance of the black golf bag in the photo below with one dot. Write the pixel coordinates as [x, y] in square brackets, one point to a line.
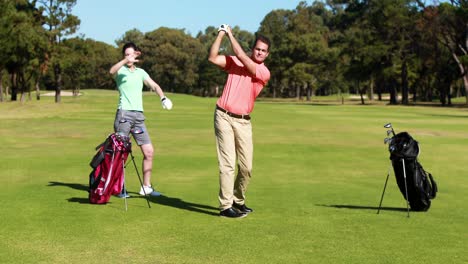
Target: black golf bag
[420, 185]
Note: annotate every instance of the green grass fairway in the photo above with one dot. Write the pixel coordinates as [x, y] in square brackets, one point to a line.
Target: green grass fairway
[319, 171]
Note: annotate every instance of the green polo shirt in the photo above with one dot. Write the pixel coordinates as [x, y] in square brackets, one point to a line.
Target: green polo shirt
[130, 85]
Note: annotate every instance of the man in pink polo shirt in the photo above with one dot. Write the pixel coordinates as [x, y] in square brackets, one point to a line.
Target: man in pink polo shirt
[247, 75]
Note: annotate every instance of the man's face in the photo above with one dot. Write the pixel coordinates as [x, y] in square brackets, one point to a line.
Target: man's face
[260, 52]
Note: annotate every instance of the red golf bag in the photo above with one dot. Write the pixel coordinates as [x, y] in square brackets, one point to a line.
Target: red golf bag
[107, 176]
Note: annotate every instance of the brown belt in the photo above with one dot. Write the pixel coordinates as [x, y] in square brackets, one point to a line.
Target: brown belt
[246, 117]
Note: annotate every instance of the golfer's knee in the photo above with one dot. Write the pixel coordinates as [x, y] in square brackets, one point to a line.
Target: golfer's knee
[148, 154]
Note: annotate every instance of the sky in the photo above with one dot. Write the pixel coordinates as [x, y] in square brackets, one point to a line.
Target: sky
[108, 20]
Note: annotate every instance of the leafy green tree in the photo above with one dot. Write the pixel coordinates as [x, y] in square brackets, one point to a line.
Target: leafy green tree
[310, 45]
[361, 49]
[379, 40]
[454, 35]
[87, 63]
[24, 44]
[173, 58]
[133, 35]
[102, 56]
[7, 10]
[275, 26]
[59, 22]
[432, 59]
[301, 59]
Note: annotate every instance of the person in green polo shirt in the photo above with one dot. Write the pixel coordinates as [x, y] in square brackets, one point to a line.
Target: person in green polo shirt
[129, 117]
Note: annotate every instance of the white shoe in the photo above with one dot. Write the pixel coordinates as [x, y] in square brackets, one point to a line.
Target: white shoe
[148, 190]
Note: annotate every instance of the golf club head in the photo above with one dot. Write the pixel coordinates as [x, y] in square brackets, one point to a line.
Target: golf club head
[389, 132]
[388, 125]
[386, 140]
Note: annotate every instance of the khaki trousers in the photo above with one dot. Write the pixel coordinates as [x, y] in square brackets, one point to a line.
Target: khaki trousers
[233, 142]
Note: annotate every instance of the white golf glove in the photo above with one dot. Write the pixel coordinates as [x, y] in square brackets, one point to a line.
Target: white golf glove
[166, 103]
[223, 27]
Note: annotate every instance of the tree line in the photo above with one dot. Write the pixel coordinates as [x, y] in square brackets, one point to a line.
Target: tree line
[412, 50]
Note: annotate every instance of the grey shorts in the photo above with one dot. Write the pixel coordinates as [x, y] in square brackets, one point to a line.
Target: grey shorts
[127, 122]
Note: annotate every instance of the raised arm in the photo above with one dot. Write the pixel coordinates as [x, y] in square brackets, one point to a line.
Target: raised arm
[116, 67]
[130, 58]
[240, 53]
[214, 56]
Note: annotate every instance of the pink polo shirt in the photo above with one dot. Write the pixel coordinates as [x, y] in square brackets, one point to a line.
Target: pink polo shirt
[242, 87]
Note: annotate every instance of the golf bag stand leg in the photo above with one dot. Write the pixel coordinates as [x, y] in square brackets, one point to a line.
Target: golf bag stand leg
[406, 186]
[385, 187]
[124, 190]
[139, 178]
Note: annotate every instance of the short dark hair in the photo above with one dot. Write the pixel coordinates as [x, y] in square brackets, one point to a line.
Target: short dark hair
[262, 38]
[129, 45]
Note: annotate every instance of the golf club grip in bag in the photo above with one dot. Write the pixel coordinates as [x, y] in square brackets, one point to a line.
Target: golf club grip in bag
[420, 184]
[107, 177]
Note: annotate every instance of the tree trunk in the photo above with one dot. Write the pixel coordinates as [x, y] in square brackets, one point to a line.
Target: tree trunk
[404, 84]
[442, 94]
[298, 92]
[38, 92]
[393, 92]
[415, 86]
[14, 86]
[22, 86]
[370, 91]
[58, 82]
[449, 95]
[378, 87]
[465, 76]
[309, 92]
[465, 82]
[1, 86]
[361, 92]
[76, 89]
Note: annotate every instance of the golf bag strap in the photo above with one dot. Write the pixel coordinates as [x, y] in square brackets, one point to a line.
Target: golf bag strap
[103, 143]
[434, 186]
[100, 145]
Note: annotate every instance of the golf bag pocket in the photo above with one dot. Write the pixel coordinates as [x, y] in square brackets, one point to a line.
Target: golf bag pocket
[97, 159]
[421, 187]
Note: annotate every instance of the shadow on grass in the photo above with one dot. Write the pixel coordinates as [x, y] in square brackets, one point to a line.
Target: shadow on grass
[76, 186]
[180, 204]
[360, 207]
[162, 200]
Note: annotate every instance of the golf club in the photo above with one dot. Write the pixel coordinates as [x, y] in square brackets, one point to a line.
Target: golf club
[389, 125]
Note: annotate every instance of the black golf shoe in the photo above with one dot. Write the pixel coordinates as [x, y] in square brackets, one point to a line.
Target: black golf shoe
[231, 213]
[242, 208]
